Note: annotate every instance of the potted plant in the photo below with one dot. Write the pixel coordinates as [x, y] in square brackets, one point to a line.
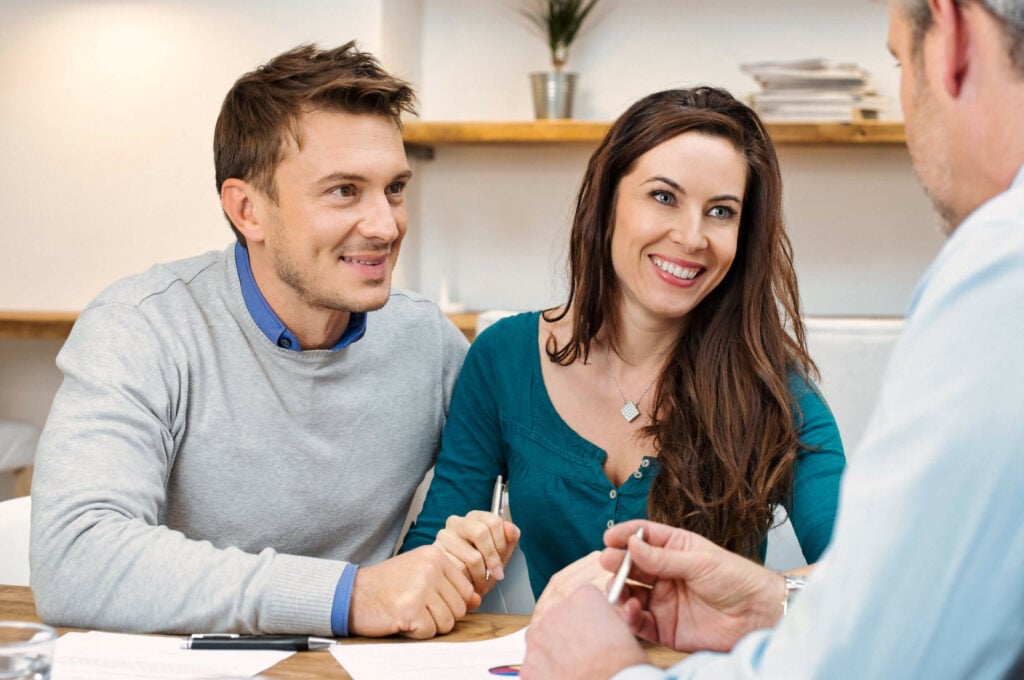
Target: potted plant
[559, 21]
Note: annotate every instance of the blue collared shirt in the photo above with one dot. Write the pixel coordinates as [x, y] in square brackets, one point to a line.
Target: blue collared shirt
[271, 325]
[269, 322]
[923, 578]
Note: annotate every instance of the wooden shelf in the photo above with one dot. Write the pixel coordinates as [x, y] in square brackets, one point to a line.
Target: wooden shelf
[36, 324]
[429, 134]
[465, 322]
[58, 324]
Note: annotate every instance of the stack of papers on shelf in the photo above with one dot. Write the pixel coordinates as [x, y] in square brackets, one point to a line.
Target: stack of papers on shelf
[813, 90]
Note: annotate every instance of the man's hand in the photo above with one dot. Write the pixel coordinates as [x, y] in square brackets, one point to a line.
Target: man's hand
[420, 594]
[702, 596]
[580, 637]
[480, 541]
[585, 570]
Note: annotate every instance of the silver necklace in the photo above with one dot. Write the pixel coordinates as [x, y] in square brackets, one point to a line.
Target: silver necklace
[629, 409]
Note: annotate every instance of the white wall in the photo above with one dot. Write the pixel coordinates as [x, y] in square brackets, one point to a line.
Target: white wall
[107, 112]
[493, 219]
[107, 128]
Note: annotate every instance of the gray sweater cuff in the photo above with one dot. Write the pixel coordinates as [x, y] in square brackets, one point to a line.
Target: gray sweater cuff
[302, 595]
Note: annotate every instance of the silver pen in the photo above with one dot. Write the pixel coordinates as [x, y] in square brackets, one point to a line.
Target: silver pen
[497, 507]
[620, 576]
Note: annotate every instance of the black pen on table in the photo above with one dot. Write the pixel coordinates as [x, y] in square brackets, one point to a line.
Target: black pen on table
[497, 507]
[285, 643]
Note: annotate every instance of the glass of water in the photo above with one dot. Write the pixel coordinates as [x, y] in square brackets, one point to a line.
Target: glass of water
[26, 650]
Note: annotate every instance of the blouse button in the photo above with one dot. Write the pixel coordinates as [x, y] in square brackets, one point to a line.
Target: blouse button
[613, 493]
[638, 474]
[645, 463]
[611, 523]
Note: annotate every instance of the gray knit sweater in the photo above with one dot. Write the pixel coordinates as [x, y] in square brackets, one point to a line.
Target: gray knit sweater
[193, 476]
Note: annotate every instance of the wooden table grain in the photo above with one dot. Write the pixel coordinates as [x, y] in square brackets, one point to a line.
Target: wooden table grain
[16, 604]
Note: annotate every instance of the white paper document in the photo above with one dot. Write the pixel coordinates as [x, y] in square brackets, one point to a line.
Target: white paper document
[113, 656]
[483, 660]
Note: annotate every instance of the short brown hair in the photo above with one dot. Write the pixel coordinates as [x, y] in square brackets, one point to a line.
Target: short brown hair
[263, 107]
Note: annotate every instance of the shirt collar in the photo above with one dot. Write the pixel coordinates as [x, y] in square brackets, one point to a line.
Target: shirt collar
[267, 320]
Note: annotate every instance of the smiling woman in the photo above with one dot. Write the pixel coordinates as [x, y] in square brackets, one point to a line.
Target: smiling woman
[677, 218]
[699, 409]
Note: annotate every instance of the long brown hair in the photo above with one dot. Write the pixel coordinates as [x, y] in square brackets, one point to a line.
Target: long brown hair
[724, 421]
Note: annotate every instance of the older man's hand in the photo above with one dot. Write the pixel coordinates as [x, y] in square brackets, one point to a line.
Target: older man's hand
[580, 637]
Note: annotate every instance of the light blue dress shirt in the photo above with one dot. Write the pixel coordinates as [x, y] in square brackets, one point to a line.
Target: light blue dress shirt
[924, 577]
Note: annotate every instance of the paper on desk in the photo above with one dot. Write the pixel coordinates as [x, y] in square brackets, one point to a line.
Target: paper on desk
[483, 660]
[112, 656]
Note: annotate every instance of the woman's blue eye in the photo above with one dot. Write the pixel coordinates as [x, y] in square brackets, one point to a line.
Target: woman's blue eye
[722, 212]
[663, 197]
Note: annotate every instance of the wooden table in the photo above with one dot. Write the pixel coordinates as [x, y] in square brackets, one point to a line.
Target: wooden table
[16, 604]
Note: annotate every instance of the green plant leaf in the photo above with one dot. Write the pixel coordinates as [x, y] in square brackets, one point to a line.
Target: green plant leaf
[559, 21]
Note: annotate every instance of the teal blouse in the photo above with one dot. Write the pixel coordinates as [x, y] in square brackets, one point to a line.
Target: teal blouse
[501, 421]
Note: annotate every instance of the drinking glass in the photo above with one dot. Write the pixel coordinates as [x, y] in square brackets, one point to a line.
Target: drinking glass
[26, 650]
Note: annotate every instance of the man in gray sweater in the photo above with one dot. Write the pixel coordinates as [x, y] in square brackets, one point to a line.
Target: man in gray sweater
[236, 432]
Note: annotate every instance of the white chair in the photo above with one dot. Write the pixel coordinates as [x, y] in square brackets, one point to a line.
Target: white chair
[851, 354]
[14, 524]
[17, 452]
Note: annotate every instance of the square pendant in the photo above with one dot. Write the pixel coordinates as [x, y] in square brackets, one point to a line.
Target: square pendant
[629, 411]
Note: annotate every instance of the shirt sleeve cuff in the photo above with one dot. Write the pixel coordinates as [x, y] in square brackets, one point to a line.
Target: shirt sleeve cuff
[342, 600]
[641, 673]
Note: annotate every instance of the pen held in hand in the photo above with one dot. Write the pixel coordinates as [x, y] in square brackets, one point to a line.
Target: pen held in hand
[620, 576]
[497, 507]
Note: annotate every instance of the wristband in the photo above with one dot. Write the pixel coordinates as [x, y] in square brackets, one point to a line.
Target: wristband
[793, 583]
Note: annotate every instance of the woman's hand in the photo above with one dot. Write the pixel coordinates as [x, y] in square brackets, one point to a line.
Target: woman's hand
[483, 543]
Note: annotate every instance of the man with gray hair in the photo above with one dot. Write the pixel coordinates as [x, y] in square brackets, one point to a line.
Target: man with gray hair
[925, 574]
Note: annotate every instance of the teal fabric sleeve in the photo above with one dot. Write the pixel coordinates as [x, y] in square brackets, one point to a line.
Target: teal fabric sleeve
[819, 468]
[471, 454]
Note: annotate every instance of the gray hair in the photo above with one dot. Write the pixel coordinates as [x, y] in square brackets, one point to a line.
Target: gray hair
[1008, 13]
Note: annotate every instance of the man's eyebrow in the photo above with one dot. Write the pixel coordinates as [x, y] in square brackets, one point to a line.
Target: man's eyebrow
[338, 176]
[356, 177]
